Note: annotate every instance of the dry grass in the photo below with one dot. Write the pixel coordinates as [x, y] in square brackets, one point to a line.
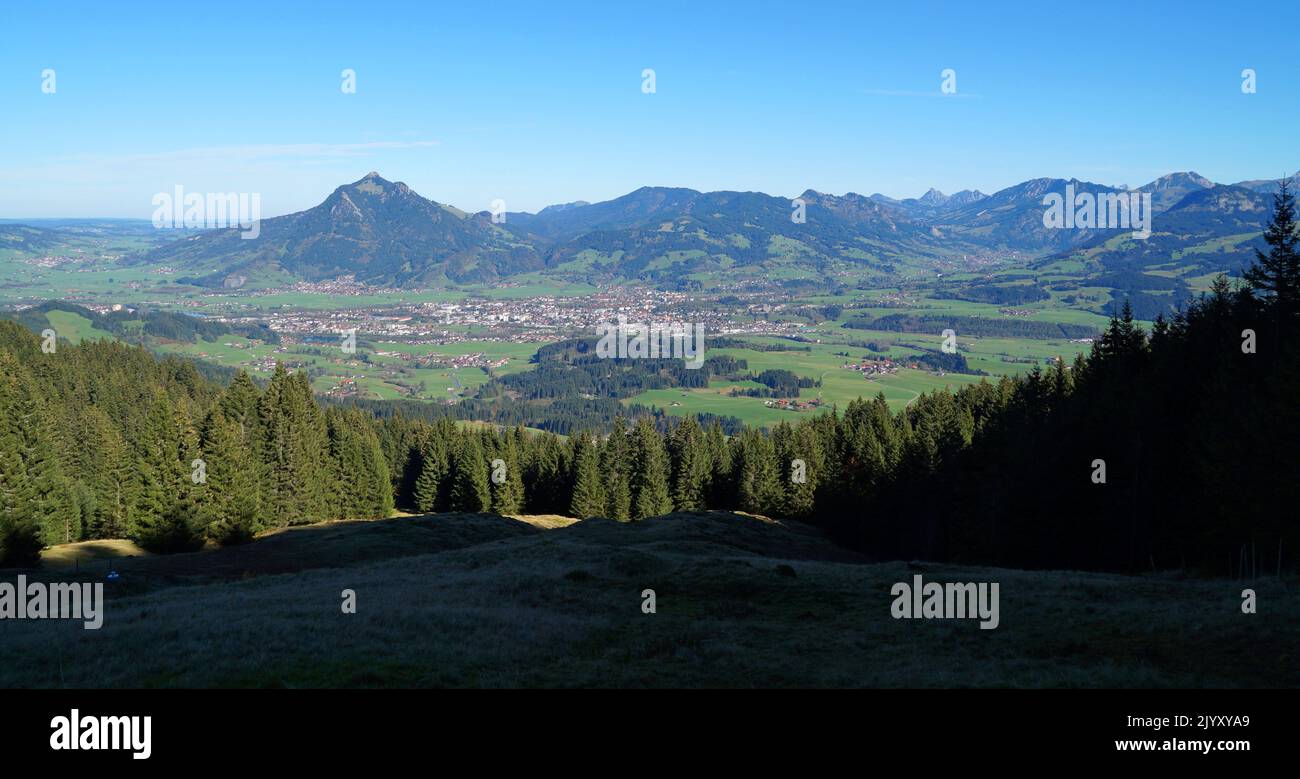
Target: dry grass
[90, 552]
[479, 600]
[545, 521]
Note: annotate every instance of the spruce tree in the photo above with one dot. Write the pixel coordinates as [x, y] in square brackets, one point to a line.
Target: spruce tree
[508, 493]
[231, 496]
[588, 488]
[800, 456]
[760, 489]
[720, 488]
[469, 489]
[650, 494]
[690, 466]
[432, 486]
[615, 459]
[34, 496]
[1275, 276]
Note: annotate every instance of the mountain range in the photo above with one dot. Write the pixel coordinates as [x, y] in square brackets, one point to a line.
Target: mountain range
[382, 232]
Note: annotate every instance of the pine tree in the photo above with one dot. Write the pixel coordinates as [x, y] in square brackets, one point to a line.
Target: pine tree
[313, 469]
[239, 405]
[1275, 276]
[801, 446]
[300, 479]
[230, 495]
[588, 489]
[720, 489]
[113, 516]
[352, 472]
[276, 450]
[690, 466]
[161, 472]
[760, 489]
[546, 477]
[469, 489]
[432, 486]
[615, 459]
[650, 496]
[508, 493]
[34, 495]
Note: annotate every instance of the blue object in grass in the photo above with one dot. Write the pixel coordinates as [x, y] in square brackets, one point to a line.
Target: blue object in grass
[113, 576]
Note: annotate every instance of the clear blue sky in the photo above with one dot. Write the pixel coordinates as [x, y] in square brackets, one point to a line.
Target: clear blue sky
[539, 103]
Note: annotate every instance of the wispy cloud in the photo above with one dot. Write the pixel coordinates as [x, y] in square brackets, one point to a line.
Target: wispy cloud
[253, 153]
[914, 93]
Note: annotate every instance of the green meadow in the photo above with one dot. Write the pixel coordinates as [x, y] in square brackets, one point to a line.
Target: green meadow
[377, 376]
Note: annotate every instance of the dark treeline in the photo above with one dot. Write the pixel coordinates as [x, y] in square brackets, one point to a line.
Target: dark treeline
[999, 294]
[129, 325]
[104, 440]
[948, 363]
[983, 327]
[563, 416]
[634, 472]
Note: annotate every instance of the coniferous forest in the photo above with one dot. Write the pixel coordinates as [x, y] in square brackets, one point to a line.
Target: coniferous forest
[1168, 448]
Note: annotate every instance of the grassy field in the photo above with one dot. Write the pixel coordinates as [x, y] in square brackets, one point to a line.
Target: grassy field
[823, 362]
[75, 327]
[485, 601]
[387, 372]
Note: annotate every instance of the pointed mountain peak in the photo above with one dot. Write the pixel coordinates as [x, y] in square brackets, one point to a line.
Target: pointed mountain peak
[933, 197]
[374, 184]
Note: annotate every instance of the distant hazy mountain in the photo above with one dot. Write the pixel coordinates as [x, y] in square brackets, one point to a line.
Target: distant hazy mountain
[383, 232]
[1209, 230]
[1167, 190]
[563, 207]
[964, 198]
[666, 232]
[27, 239]
[890, 216]
[1012, 218]
[933, 197]
[1269, 186]
[932, 202]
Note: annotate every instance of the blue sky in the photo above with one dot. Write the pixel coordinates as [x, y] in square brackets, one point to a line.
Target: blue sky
[539, 103]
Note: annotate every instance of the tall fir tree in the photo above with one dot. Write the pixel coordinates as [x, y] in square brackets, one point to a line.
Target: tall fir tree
[507, 481]
[615, 458]
[1275, 275]
[690, 466]
[433, 485]
[588, 488]
[469, 488]
[760, 490]
[650, 472]
[229, 497]
[35, 497]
